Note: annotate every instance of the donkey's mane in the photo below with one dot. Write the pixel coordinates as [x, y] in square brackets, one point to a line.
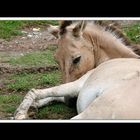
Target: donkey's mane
[111, 27]
[103, 34]
[115, 29]
[112, 30]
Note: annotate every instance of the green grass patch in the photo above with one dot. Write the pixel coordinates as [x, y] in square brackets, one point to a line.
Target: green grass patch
[10, 99]
[13, 28]
[133, 32]
[10, 28]
[56, 111]
[9, 103]
[45, 58]
[25, 82]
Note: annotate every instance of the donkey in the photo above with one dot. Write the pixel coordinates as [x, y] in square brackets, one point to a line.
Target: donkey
[106, 90]
[67, 53]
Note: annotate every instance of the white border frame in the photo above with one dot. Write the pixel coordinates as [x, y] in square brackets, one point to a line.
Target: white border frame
[69, 121]
[69, 18]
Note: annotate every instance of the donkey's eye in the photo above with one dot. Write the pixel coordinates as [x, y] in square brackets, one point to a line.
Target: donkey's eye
[76, 60]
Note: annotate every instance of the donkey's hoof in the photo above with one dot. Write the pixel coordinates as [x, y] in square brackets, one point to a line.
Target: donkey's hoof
[20, 117]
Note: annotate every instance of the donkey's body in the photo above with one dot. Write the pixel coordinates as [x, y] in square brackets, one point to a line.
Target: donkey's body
[104, 87]
[111, 90]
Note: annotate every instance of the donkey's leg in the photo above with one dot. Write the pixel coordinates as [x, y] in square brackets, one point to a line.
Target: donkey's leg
[47, 101]
[32, 95]
[68, 89]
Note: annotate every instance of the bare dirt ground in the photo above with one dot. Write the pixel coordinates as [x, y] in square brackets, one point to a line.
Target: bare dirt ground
[29, 42]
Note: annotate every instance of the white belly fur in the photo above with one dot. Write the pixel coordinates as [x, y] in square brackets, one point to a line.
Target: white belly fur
[104, 79]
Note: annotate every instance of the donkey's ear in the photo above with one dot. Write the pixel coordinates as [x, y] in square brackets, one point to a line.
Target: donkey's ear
[63, 24]
[54, 30]
[78, 29]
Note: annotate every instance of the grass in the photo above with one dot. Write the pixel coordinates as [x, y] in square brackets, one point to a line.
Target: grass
[133, 32]
[9, 29]
[56, 111]
[45, 58]
[9, 103]
[25, 82]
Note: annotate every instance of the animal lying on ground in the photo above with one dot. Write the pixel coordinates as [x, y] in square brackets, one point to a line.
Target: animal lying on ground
[98, 68]
[96, 36]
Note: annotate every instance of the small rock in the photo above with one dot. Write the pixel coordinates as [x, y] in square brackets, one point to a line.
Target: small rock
[10, 46]
[16, 42]
[36, 29]
[35, 33]
[11, 118]
[50, 38]
[1, 46]
[22, 54]
[36, 36]
[1, 41]
[24, 32]
[23, 37]
[29, 36]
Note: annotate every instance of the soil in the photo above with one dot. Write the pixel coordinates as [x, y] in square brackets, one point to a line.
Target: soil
[28, 42]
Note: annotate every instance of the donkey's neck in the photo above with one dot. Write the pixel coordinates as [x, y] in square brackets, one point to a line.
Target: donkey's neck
[106, 45]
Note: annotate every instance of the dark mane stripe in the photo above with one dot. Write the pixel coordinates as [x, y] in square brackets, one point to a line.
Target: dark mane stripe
[116, 29]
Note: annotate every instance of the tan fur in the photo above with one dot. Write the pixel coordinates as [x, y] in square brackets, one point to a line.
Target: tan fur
[120, 80]
[95, 45]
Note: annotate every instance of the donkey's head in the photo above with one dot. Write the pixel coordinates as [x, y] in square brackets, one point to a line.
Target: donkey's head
[82, 46]
[74, 53]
